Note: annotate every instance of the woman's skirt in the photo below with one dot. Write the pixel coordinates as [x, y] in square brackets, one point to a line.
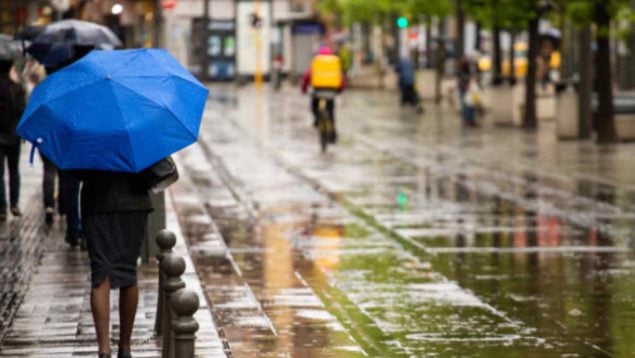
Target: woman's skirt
[114, 242]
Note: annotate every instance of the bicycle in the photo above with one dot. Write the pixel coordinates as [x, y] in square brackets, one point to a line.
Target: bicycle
[325, 124]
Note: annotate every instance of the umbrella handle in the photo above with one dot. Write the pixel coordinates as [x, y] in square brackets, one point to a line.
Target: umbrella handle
[32, 154]
[33, 147]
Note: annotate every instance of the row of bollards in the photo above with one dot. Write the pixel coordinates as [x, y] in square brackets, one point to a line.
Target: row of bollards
[176, 304]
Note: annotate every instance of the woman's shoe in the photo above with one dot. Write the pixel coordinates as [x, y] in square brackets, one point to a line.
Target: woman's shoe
[49, 212]
[71, 239]
[83, 245]
[15, 211]
[121, 353]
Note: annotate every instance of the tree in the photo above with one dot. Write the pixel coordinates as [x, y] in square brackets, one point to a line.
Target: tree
[428, 10]
[488, 14]
[530, 118]
[498, 16]
[600, 13]
[604, 123]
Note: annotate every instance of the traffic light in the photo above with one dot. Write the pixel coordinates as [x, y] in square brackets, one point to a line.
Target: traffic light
[402, 22]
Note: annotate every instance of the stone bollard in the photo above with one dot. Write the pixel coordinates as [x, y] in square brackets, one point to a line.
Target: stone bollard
[184, 304]
[173, 267]
[165, 240]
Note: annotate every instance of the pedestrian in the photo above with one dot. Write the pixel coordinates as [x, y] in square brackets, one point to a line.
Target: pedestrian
[12, 103]
[468, 82]
[114, 209]
[33, 73]
[68, 185]
[471, 103]
[121, 134]
[409, 95]
[467, 70]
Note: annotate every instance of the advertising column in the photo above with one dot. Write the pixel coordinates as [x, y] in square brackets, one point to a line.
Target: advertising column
[253, 33]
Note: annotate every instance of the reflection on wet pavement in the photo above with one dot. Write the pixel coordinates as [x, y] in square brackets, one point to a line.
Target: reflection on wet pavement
[411, 237]
[20, 248]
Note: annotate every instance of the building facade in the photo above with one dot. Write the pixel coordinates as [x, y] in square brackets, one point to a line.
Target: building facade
[244, 38]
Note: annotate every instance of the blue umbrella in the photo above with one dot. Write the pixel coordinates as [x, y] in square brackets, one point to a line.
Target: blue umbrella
[115, 110]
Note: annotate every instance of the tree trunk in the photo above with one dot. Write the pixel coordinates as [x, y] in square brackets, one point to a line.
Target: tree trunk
[530, 118]
[604, 121]
[429, 57]
[626, 76]
[440, 62]
[366, 38]
[498, 61]
[512, 59]
[460, 34]
[570, 50]
[585, 87]
[477, 37]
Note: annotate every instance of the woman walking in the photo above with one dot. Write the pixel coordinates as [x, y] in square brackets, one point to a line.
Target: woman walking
[114, 208]
[12, 102]
[123, 121]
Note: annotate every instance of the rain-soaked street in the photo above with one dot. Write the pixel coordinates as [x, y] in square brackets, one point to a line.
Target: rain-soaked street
[411, 237]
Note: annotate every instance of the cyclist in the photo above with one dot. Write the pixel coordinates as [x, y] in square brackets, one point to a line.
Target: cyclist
[320, 79]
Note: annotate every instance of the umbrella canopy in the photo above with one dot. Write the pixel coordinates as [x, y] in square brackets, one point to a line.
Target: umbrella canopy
[115, 110]
[51, 55]
[61, 42]
[28, 33]
[77, 32]
[9, 49]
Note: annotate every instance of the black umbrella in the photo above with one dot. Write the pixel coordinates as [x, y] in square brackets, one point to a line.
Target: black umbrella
[76, 32]
[51, 55]
[28, 33]
[57, 55]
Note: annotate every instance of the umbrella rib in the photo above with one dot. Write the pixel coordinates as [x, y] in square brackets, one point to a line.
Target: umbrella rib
[191, 78]
[195, 137]
[134, 158]
[125, 64]
[50, 99]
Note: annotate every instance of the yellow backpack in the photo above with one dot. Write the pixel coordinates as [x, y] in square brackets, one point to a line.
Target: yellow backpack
[326, 72]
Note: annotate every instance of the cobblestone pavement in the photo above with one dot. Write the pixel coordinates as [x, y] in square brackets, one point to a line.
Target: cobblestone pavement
[47, 290]
[20, 246]
[412, 237]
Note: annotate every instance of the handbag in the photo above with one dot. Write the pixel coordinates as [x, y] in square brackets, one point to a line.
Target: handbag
[160, 175]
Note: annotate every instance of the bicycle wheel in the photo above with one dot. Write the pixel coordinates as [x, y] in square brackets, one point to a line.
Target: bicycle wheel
[323, 127]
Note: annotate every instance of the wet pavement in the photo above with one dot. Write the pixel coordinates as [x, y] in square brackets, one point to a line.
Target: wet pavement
[412, 237]
[20, 247]
[46, 290]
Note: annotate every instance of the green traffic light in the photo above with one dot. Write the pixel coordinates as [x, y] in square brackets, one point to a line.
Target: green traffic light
[402, 22]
